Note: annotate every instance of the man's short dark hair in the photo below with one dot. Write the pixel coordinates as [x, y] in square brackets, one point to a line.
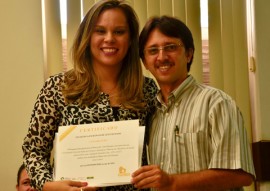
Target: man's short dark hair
[19, 173]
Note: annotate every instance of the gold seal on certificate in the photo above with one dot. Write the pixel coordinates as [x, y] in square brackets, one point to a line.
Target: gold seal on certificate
[102, 154]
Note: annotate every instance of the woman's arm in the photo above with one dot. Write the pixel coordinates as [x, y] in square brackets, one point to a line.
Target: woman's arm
[38, 143]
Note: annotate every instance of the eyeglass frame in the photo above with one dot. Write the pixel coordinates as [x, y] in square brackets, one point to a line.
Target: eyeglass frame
[158, 48]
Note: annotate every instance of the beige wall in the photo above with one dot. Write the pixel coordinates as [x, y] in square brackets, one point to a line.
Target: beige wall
[21, 77]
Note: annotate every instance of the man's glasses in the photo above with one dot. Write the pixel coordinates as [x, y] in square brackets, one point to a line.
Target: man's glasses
[152, 51]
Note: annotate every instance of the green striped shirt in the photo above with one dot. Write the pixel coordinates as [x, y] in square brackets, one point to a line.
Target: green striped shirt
[200, 128]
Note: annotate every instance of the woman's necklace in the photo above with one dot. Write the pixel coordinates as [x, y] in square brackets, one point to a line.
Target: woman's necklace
[113, 95]
[111, 91]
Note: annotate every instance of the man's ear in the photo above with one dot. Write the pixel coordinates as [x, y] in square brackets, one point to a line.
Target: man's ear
[189, 54]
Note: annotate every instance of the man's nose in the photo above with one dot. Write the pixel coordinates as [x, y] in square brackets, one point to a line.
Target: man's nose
[161, 55]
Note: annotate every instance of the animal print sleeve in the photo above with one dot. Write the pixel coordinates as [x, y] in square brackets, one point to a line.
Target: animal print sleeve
[38, 143]
[150, 92]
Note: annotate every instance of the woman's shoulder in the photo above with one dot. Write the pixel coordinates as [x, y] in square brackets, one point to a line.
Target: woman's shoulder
[56, 78]
[149, 82]
[54, 82]
[150, 86]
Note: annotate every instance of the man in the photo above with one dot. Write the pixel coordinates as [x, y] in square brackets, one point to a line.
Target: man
[23, 181]
[197, 138]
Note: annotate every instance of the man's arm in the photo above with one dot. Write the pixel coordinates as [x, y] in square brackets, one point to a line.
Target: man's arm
[209, 180]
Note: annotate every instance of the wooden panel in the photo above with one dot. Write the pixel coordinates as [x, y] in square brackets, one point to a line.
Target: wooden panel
[261, 157]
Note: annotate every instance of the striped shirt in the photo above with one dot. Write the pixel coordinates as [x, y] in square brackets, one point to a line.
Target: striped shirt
[200, 128]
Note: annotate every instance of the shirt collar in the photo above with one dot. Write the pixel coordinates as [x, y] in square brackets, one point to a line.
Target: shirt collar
[183, 87]
[177, 94]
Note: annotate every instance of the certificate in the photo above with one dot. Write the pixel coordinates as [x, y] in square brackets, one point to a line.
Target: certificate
[102, 154]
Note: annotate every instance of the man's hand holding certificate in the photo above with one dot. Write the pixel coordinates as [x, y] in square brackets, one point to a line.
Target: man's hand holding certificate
[102, 154]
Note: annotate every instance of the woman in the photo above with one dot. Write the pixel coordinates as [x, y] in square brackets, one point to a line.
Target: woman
[106, 84]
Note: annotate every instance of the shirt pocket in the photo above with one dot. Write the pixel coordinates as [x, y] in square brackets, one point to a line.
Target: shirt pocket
[192, 152]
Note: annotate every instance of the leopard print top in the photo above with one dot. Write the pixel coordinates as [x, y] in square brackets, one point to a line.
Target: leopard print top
[50, 111]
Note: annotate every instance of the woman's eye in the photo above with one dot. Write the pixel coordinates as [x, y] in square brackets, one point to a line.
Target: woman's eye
[100, 31]
[119, 32]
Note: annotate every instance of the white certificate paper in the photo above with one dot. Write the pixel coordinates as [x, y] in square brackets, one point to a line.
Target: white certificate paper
[102, 154]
